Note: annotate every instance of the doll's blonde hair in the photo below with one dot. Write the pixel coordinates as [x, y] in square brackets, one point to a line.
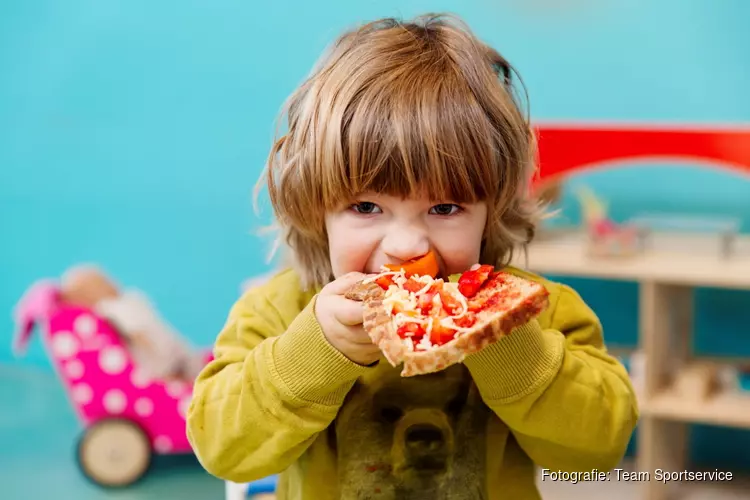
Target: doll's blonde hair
[397, 108]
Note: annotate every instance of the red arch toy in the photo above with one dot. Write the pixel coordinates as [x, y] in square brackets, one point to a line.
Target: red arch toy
[565, 149]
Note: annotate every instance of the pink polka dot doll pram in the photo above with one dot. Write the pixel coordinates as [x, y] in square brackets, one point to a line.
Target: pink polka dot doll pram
[126, 416]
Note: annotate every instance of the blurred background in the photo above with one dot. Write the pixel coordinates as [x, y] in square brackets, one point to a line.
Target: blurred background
[132, 134]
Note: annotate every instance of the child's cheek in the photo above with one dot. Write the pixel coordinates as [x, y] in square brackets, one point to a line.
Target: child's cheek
[349, 252]
[458, 258]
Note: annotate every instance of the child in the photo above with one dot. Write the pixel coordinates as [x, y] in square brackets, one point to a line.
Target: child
[407, 138]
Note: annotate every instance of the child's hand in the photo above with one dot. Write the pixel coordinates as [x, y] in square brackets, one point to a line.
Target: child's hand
[341, 321]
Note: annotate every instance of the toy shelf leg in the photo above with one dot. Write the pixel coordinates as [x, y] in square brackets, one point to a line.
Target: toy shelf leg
[666, 318]
[662, 444]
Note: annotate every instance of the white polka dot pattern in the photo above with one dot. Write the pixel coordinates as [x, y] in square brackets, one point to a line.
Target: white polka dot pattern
[64, 345]
[115, 401]
[183, 406]
[162, 444]
[82, 394]
[85, 325]
[112, 360]
[176, 389]
[102, 380]
[139, 379]
[74, 369]
[144, 407]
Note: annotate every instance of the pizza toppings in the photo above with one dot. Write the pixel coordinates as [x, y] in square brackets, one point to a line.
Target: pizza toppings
[441, 334]
[466, 321]
[428, 324]
[426, 265]
[429, 312]
[472, 280]
[385, 281]
[410, 330]
[452, 305]
[426, 301]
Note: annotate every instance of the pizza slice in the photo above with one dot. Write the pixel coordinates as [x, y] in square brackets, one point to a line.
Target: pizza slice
[428, 324]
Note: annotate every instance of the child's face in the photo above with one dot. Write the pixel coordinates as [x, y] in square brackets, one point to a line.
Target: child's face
[380, 229]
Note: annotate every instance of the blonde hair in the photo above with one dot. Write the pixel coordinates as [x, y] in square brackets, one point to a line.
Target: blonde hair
[397, 108]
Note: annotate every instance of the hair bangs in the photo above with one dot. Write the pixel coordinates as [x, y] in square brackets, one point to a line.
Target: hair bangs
[420, 133]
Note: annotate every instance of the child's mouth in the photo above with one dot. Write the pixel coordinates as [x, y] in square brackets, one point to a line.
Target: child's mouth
[426, 265]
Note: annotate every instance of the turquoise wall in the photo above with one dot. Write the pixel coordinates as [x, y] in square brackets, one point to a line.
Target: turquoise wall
[131, 134]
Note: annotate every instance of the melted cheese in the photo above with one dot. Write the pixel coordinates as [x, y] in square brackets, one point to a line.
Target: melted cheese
[397, 298]
[453, 290]
[424, 344]
[384, 273]
[423, 289]
[429, 326]
[403, 318]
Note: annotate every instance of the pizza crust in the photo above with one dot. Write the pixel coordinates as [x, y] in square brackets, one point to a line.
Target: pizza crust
[377, 322]
[529, 300]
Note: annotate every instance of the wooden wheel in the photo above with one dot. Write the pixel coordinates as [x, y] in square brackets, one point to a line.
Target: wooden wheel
[114, 453]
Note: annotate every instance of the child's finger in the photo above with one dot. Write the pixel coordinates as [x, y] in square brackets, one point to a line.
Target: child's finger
[348, 312]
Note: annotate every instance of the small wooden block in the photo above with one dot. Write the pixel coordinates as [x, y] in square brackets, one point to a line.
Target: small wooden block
[697, 381]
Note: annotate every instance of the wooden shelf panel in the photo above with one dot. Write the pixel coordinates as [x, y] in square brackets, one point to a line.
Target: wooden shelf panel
[679, 260]
[728, 408]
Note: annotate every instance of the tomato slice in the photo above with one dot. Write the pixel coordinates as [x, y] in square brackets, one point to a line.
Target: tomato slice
[424, 302]
[426, 265]
[466, 321]
[450, 304]
[475, 306]
[410, 330]
[384, 282]
[413, 285]
[441, 334]
[471, 281]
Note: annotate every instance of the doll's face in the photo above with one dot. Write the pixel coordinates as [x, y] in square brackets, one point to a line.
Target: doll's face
[86, 286]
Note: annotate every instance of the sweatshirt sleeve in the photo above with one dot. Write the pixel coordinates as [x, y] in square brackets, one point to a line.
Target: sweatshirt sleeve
[569, 404]
[269, 391]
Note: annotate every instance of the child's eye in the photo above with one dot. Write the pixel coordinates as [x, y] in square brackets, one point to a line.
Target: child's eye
[445, 209]
[365, 207]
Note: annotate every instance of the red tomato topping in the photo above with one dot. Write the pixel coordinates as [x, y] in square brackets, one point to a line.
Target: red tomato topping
[466, 321]
[441, 334]
[384, 281]
[410, 330]
[413, 285]
[424, 302]
[475, 306]
[450, 304]
[471, 281]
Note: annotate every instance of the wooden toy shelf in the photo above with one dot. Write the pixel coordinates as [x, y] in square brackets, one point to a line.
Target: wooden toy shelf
[667, 275]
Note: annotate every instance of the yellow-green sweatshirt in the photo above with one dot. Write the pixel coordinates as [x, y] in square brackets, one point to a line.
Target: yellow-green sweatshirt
[279, 399]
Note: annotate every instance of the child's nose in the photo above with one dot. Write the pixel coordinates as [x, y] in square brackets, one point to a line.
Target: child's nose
[406, 244]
